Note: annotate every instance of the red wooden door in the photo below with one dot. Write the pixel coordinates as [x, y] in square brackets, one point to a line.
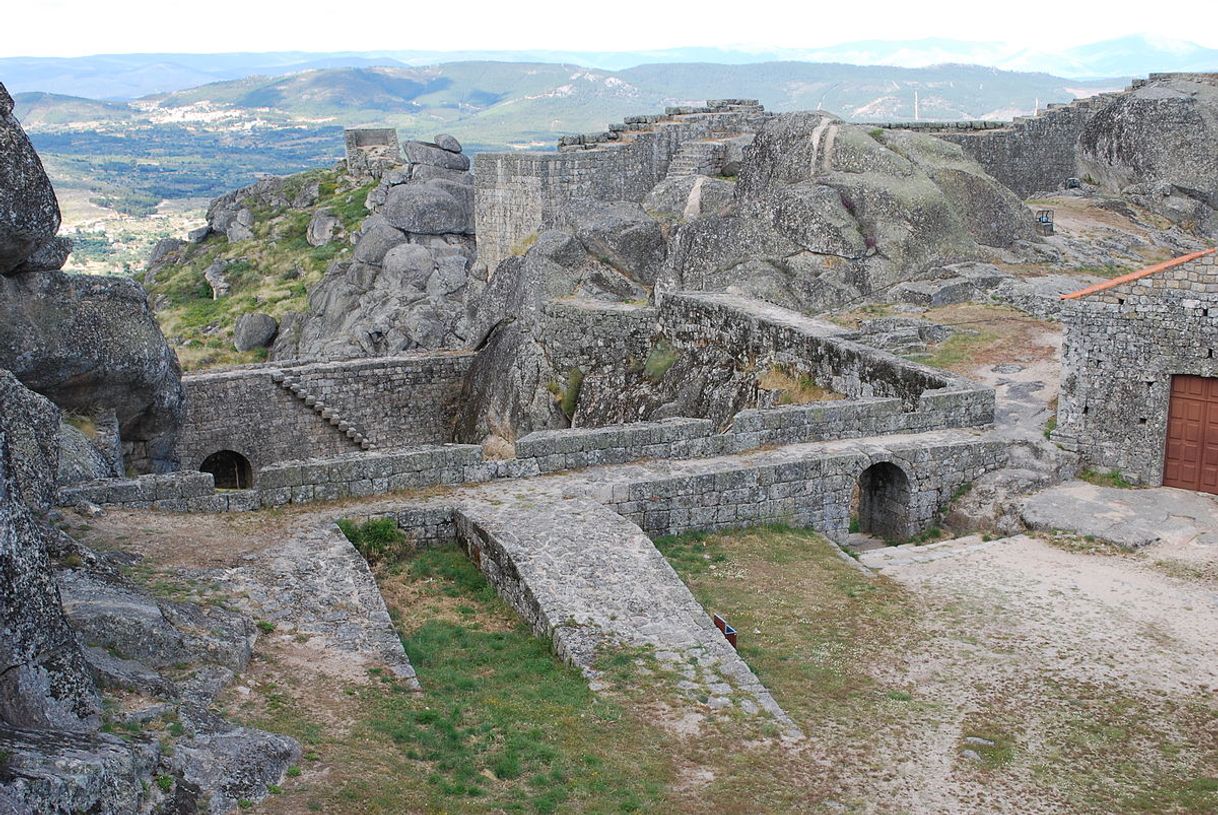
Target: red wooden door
[1191, 460]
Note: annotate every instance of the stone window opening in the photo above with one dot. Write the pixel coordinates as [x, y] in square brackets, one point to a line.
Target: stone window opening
[884, 498]
[230, 469]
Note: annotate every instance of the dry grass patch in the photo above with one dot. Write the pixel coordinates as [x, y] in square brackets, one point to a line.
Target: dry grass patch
[987, 335]
[790, 388]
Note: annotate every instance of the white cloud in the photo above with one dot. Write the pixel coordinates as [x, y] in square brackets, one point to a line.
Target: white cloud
[80, 27]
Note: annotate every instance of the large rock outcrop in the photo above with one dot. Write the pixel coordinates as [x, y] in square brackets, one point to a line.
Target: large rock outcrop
[1155, 145]
[826, 212]
[91, 343]
[411, 271]
[44, 682]
[509, 389]
[29, 212]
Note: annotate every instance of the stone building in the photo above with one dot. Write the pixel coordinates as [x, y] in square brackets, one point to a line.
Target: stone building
[1139, 375]
[372, 150]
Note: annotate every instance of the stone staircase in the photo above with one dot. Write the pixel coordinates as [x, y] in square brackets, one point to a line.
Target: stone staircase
[293, 386]
[697, 158]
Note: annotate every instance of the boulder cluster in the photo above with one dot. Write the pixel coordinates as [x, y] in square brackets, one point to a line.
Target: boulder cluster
[411, 271]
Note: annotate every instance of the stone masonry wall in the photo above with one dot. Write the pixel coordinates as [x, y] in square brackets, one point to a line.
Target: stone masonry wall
[518, 194]
[592, 334]
[811, 491]
[1122, 346]
[392, 401]
[758, 330]
[1030, 154]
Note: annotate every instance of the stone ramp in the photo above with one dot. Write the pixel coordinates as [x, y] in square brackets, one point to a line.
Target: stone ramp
[316, 587]
[584, 576]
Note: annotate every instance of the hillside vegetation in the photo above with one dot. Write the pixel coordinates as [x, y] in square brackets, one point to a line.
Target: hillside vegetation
[271, 272]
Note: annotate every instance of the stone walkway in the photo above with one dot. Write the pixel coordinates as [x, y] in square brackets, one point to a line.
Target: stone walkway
[888, 557]
[1126, 517]
[588, 578]
[317, 589]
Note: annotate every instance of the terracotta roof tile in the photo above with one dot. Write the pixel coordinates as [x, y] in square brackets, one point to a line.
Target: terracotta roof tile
[1139, 274]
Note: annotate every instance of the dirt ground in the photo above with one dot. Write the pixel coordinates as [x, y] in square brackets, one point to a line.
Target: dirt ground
[1092, 672]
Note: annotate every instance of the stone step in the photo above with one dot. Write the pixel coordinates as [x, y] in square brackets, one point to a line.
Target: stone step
[314, 403]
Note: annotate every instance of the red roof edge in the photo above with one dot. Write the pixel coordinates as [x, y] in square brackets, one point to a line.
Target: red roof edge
[1139, 274]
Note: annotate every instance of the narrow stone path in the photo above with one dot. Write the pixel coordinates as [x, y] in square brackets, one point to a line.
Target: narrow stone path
[887, 557]
[589, 579]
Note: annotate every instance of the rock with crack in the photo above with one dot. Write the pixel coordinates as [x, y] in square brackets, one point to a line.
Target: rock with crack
[510, 383]
[1156, 146]
[90, 343]
[44, 682]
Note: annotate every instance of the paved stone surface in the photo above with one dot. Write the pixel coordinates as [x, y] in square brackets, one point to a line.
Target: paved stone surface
[317, 586]
[1126, 517]
[888, 557]
[583, 575]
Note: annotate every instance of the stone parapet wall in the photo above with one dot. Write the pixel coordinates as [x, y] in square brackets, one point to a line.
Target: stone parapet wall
[819, 350]
[296, 482]
[171, 491]
[813, 490]
[520, 194]
[392, 401]
[591, 334]
[1122, 346]
[555, 450]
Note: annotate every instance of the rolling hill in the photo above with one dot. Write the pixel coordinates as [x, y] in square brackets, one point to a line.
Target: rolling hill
[206, 140]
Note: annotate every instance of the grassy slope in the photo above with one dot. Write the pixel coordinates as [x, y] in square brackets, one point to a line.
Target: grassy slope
[270, 272]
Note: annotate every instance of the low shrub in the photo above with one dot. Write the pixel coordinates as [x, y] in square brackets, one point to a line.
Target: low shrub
[378, 540]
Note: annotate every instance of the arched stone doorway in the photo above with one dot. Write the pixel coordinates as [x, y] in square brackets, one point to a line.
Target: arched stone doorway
[884, 502]
[231, 470]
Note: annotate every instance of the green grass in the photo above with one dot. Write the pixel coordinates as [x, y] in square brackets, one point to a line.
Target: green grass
[378, 539]
[503, 725]
[570, 395]
[271, 272]
[659, 360]
[1105, 478]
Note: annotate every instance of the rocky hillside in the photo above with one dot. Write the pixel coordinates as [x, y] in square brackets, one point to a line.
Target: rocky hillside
[265, 247]
[339, 263]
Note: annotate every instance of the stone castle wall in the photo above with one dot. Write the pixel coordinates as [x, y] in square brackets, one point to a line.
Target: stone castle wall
[519, 194]
[1122, 346]
[405, 405]
[392, 401]
[756, 329]
[588, 334]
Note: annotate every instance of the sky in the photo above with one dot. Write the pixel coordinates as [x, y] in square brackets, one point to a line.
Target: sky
[67, 28]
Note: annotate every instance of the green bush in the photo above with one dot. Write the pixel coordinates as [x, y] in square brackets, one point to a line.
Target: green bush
[377, 540]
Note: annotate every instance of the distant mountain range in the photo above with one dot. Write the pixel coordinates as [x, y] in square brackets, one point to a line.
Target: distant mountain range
[130, 76]
[206, 140]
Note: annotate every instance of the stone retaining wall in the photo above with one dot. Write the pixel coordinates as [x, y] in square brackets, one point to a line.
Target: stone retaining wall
[593, 334]
[296, 482]
[813, 490]
[392, 401]
[758, 330]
